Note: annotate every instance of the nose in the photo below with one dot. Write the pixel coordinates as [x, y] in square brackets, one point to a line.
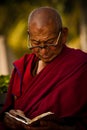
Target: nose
[42, 45]
[43, 50]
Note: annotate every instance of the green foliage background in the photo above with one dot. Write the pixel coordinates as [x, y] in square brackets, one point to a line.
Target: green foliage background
[4, 82]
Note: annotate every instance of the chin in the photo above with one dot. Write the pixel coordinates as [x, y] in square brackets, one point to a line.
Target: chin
[47, 60]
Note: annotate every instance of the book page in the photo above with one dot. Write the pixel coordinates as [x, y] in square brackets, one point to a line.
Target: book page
[35, 120]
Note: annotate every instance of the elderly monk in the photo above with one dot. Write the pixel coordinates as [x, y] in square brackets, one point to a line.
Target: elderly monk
[52, 78]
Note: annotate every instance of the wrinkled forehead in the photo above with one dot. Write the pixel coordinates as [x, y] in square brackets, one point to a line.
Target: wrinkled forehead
[42, 26]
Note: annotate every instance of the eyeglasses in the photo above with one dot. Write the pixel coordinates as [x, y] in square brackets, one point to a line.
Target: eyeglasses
[46, 45]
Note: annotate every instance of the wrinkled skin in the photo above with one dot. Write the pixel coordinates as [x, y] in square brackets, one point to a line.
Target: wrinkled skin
[44, 26]
[12, 123]
[44, 125]
[48, 125]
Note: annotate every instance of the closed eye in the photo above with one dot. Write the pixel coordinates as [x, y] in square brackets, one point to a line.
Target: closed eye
[35, 42]
[49, 41]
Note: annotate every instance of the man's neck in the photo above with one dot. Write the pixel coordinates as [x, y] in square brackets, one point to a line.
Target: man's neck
[41, 65]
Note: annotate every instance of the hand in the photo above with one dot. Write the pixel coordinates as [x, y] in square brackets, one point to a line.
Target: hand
[15, 112]
[12, 123]
[48, 125]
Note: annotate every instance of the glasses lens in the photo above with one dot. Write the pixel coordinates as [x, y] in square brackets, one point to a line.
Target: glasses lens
[46, 45]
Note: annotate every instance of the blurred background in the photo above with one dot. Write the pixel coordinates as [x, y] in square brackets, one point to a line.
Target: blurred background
[13, 26]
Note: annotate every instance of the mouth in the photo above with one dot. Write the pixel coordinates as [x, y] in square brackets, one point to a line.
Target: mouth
[44, 57]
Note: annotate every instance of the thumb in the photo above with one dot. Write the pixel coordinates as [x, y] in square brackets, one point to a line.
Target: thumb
[43, 123]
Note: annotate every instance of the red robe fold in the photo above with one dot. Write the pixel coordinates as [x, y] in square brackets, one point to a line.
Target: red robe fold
[61, 87]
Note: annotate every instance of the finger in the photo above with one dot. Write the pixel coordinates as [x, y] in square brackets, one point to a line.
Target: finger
[43, 123]
[8, 122]
[50, 125]
[13, 112]
[38, 128]
[20, 112]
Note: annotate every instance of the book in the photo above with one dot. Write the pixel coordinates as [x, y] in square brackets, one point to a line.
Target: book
[35, 121]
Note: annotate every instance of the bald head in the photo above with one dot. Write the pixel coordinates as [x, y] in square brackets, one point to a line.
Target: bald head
[45, 16]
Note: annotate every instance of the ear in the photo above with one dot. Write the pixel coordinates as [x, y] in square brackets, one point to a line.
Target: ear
[28, 32]
[64, 35]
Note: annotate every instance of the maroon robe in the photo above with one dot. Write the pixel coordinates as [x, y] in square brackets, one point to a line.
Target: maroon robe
[61, 87]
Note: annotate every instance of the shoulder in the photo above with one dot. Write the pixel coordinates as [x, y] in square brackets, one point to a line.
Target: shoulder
[24, 59]
[21, 64]
[76, 54]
